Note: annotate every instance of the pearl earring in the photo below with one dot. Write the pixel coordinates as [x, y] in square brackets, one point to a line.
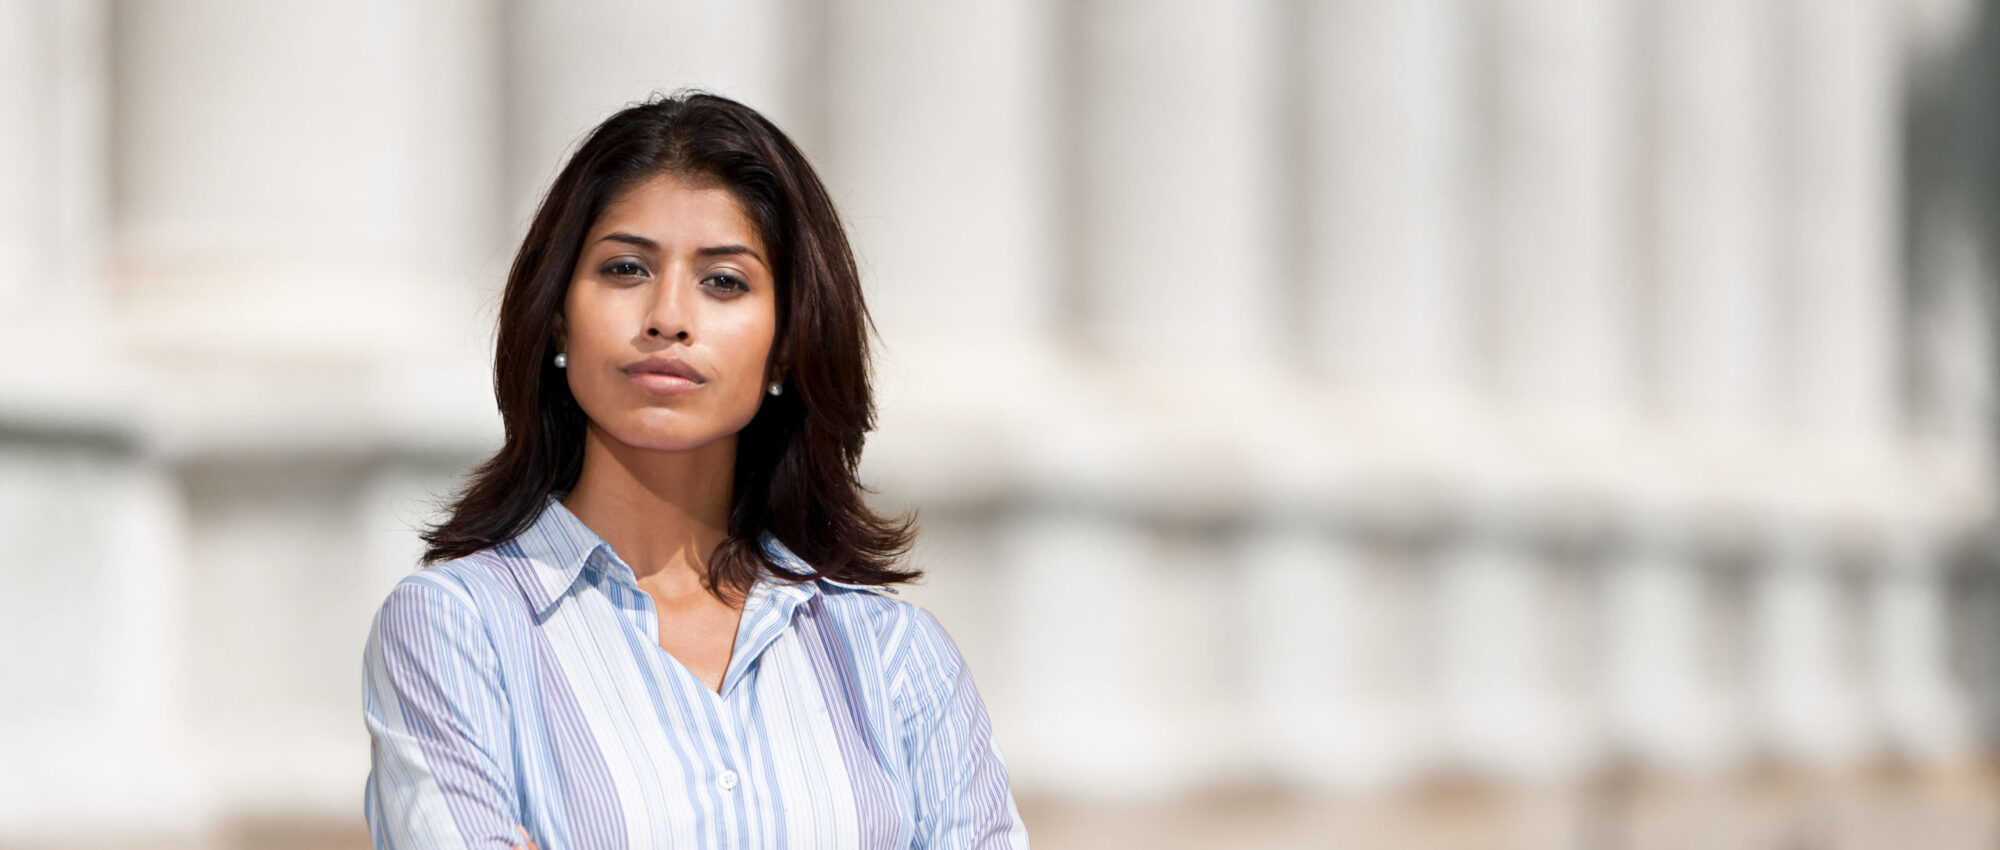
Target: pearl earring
[777, 388]
[562, 360]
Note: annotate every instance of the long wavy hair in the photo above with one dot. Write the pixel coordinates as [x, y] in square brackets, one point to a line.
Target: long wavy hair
[796, 461]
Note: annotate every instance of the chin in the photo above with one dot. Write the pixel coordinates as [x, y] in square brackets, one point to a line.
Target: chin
[671, 433]
[663, 440]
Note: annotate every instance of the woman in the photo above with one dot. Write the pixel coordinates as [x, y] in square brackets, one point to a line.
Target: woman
[660, 616]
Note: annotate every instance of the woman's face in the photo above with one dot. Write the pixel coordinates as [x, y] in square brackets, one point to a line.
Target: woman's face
[672, 277]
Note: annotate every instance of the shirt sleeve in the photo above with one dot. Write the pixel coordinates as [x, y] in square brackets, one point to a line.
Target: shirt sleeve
[958, 779]
[440, 775]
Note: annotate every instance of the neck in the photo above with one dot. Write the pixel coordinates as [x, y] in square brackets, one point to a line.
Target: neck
[663, 512]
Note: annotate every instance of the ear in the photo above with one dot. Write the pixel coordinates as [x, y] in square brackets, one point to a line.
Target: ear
[560, 331]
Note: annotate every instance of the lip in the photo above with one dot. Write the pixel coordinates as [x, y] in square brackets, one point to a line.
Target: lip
[665, 375]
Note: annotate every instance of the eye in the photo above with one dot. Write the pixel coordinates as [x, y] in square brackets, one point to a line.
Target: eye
[727, 282]
[624, 268]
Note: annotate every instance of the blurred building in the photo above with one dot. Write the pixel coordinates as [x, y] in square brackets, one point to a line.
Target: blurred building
[1326, 398]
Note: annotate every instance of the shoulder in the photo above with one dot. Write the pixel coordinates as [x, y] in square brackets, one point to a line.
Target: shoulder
[891, 621]
[460, 581]
[918, 657]
[447, 600]
[852, 605]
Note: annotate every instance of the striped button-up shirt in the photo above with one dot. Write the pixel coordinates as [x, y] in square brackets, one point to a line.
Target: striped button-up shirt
[526, 685]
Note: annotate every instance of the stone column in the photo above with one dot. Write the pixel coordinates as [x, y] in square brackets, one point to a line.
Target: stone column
[1332, 641]
[30, 87]
[1839, 213]
[1561, 221]
[1666, 698]
[1382, 189]
[1104, 712]
[1711, 142]
[1715, 143]
[947, 175]
[307, 225]
[52, 196]
[1167, 269]
[1841, 206]
[1908, 651]
[1390, 308]
[1808, 637]
[92, 618]
[1178, 255]
[315, 182]
[1557, 226]
[940, 136]
[1505, 619]
[570, 65]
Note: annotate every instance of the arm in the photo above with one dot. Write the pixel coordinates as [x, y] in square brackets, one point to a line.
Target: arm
[959, 781]
[440, 772]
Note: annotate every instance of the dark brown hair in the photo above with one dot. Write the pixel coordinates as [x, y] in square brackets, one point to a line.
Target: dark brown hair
[796, 460]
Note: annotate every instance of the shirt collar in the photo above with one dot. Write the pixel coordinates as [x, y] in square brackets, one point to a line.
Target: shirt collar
[558, 546]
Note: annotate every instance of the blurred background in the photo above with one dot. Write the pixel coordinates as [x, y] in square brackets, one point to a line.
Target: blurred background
[1333, 423]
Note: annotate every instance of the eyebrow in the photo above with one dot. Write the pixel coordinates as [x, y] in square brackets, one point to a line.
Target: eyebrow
[711, 251]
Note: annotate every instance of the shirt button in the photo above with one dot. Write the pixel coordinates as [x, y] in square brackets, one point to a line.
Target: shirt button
[727, 781]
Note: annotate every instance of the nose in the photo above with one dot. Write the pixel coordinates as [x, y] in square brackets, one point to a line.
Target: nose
[671, 315]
